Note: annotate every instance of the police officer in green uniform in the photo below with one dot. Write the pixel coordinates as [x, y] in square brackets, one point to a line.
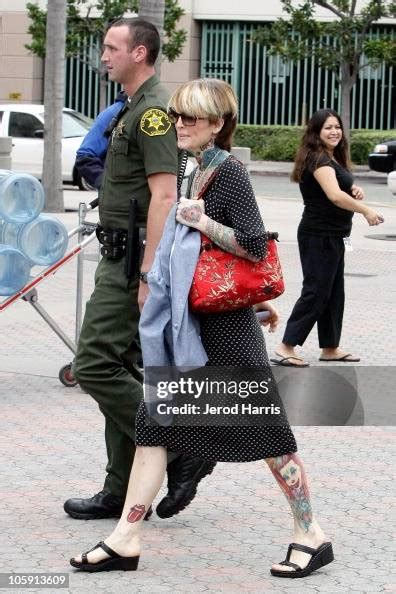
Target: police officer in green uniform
[141, 163]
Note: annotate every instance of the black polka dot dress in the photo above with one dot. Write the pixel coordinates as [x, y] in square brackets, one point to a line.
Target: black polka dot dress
[230, 339]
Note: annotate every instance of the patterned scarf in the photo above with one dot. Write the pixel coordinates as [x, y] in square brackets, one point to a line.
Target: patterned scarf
[212, 158]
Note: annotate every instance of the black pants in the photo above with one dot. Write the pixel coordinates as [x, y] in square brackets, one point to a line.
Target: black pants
[322, 295]
[104, 366]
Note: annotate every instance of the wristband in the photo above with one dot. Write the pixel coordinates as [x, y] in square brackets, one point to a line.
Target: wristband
[143, 277]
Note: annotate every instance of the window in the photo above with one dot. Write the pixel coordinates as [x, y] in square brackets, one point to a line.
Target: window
[75, 124]
[24, 125]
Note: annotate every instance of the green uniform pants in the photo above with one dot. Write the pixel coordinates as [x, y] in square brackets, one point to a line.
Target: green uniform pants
[105, 365]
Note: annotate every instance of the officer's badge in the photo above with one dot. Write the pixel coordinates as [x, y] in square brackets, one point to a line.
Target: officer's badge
[119, 131]
[155, 122]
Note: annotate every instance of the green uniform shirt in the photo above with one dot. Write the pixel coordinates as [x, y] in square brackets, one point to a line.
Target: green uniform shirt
[142, 143]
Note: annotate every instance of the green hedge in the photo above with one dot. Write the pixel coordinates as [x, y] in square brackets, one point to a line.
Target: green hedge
[279, 143]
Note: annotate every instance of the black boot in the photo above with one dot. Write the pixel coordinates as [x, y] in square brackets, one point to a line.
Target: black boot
[102, 505]
[184, 474]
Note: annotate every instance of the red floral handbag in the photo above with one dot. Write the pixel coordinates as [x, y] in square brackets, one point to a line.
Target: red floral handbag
[224, 282]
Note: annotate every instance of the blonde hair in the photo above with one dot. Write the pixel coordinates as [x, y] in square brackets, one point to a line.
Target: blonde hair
[209, 98]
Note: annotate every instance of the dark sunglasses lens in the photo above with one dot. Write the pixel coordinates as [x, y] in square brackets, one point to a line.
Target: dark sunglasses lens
[188, 120]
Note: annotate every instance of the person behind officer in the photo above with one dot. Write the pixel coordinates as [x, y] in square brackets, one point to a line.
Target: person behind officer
[91, 155]
[141, 163]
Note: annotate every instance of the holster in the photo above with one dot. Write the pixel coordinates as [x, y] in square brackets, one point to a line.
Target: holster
[113, 241]
[117, 243]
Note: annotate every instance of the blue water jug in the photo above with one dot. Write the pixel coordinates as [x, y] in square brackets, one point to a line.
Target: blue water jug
[14, 270]
[43, 241]
[21, 197]
[2, 223]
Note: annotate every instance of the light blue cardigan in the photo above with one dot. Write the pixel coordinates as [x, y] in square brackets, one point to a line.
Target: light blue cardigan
[169, 332]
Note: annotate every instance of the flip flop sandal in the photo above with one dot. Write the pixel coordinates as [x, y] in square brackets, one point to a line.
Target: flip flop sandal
[114, 562]
[319, 557]
[285, 362]
[348, 358]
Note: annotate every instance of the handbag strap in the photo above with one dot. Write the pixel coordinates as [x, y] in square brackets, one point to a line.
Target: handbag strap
[206, 243]
[211, 179]
[224, 155]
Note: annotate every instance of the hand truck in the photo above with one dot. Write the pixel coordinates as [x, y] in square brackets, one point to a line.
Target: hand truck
[86, 233]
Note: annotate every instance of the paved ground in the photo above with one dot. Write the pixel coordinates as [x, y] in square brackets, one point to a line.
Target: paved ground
[272, 178]
[282, 168]
[226, 540]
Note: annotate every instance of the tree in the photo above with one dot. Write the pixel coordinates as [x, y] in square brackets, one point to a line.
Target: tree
[54, 78]
[343, 45]
[154, 11]
[87, 18]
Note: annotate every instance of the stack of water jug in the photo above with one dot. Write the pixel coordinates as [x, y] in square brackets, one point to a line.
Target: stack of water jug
[27, 238]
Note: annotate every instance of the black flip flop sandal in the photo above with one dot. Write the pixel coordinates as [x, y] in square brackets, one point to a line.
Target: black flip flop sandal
[286, 362]
[115, 561]
[319, 557]
[347, 358]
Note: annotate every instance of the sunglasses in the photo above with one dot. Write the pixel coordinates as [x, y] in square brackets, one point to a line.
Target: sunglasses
[187, 120]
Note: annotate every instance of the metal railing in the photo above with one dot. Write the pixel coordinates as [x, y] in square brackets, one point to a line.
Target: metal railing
[272, 91]
[82, 82]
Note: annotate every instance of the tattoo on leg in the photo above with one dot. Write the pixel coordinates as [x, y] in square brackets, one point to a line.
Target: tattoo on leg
[289, 472]
[191, 214]
[137, 512]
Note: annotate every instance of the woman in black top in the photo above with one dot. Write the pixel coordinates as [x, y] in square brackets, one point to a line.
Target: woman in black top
[322, 169]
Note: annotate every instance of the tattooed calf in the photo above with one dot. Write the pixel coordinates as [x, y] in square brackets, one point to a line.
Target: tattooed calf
[137, 512]
[289, 472]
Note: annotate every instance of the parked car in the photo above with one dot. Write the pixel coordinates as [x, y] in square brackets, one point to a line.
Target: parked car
[383, 157]
[25, 123]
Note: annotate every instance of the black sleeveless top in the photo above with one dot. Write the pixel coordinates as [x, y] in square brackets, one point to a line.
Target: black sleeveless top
[321, 216]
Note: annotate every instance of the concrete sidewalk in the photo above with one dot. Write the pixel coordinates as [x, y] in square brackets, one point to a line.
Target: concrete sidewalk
[53, 448]
[284, 168]
[262, 169]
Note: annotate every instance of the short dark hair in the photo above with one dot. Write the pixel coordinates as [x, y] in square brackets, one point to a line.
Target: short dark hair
[141, 32]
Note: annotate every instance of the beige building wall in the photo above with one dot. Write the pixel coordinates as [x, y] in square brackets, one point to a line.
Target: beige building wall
[21, 74]
[187, 66]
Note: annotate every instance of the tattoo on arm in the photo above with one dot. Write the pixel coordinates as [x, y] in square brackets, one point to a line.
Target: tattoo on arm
[136, 513]
[289, 472]
[224, 237]
[191, 214]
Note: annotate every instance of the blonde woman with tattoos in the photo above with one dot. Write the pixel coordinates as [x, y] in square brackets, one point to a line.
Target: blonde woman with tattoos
[204, 113]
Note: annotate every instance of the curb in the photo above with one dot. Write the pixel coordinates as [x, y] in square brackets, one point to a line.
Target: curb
[356, 174]
[269, 173]
[299, 200]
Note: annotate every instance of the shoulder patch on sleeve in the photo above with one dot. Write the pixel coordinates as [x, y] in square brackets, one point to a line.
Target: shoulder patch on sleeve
[155, 122]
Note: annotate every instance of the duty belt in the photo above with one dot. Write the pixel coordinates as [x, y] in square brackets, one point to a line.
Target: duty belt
[113, 241]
